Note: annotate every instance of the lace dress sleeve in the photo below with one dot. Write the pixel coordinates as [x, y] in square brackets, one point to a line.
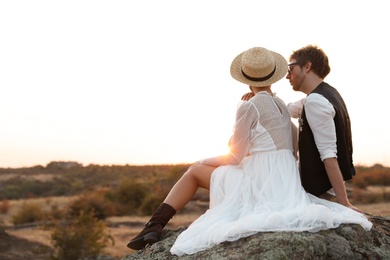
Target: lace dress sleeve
[246, 119]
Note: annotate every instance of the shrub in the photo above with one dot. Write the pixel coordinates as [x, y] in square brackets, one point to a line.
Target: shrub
[176, 172]
[154, 199]
[12, 191]
[375, 176]
[150, 204]
[4, 206]
[130, 193]
[94, 202]
[365, 196]
[2, 229]
[82, 236]
[56, 212]
[28, 213]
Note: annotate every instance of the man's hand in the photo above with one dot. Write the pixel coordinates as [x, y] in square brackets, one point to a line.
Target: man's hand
[355, 208]
[338, 184]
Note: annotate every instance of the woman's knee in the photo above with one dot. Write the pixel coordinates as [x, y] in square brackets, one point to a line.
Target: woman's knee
[201, 174]
[192, 171]
[194, 167]
[198, 169]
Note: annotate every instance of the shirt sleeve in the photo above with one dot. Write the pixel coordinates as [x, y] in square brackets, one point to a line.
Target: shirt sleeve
[295, 108]
[320, 113]
[246, 118]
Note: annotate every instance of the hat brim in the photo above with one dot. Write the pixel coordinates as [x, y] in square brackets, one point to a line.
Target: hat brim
[281, 71]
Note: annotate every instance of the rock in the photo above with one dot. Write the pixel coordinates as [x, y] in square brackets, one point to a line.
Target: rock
[348, 241]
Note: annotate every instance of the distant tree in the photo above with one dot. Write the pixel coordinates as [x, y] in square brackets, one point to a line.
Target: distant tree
[60, 166]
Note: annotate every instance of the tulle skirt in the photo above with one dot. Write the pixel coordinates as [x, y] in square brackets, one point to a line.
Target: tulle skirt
[261, 194]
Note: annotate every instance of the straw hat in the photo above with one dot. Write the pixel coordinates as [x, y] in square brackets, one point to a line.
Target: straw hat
[258, 67]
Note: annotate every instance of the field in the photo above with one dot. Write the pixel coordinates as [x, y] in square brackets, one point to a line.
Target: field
[123, 228]
[372, 187]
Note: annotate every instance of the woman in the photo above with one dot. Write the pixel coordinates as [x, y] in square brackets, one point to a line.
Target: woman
[256, 186]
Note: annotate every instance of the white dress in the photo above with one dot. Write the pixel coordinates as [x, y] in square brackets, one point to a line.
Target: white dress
[257, 187]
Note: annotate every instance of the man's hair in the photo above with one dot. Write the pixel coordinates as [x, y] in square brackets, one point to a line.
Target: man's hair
[315, 55]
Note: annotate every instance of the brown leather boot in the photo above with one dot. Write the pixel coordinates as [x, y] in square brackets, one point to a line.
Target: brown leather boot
[152, 230]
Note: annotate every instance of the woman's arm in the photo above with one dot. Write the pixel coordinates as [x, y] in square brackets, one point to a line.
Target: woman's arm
[246, 119]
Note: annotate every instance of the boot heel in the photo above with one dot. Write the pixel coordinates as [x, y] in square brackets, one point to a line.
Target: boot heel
[137, 244]
[151, 237]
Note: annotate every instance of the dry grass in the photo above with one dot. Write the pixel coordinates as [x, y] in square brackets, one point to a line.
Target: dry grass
[379, 209]
[39, 176]
[45, 203]
[378, 189]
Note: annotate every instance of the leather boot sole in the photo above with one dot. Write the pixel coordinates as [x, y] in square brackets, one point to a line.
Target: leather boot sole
[141, 242]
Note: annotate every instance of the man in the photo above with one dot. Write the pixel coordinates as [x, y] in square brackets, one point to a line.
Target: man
[325, 140]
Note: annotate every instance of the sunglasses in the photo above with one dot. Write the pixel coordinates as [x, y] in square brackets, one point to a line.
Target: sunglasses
[289, 65]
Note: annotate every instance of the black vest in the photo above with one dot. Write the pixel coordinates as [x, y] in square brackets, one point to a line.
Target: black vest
[313, 174]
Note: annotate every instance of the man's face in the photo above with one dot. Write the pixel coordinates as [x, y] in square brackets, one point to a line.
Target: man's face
[295, 75]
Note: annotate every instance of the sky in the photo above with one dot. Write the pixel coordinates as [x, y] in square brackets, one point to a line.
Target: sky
[148, 82]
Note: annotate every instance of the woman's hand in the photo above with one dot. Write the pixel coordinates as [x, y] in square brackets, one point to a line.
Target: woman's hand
[247, 96]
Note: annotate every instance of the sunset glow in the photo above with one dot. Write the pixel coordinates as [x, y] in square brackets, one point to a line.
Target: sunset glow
[148, 82]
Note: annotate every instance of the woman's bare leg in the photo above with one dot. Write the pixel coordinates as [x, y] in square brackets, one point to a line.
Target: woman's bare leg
[197, 175]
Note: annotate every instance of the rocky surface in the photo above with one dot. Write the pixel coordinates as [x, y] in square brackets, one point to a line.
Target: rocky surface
[344, 242]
